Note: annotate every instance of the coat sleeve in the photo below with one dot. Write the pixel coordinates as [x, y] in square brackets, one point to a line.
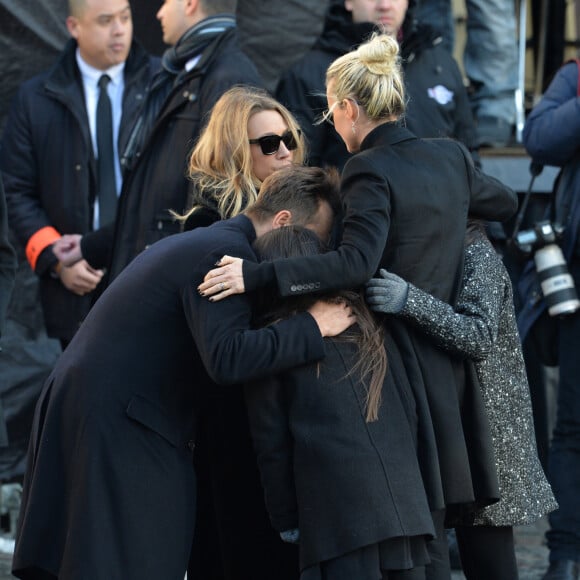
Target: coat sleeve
[96, 246]
[267, 406]
[472, 328]
[27, 218]
[552, 130]
[7, 261]
[489, 198]
[230, 351]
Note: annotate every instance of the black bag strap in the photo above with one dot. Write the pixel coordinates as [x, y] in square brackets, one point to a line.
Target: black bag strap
[535, 170]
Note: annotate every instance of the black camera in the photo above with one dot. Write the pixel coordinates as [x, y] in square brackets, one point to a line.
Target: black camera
[557, 284]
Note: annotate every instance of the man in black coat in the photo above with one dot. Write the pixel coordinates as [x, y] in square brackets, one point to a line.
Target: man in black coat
[110, 489]
[49, 150]
[204, 61]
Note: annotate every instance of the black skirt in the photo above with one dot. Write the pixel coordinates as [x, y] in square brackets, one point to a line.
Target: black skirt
[372, 562]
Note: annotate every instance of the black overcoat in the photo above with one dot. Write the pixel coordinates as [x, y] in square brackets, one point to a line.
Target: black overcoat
[406, 202]
[344, 482]
[109, 493]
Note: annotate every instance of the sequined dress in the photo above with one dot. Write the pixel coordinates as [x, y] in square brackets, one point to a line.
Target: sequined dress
[483, 328]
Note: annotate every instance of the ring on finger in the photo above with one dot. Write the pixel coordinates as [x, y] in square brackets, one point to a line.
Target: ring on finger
[222, 286]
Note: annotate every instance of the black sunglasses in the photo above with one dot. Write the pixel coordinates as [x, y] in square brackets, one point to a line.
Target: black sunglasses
[269, 144]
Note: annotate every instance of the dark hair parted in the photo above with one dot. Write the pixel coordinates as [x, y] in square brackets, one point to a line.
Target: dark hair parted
[299, 190]
[367, 334]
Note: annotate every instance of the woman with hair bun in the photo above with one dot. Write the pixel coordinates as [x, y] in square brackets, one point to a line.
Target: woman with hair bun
[406, 202]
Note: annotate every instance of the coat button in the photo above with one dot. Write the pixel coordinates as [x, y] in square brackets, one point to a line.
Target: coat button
[78, 167]
[191, 445]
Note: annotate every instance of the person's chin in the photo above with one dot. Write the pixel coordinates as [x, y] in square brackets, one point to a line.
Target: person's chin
[118, 56]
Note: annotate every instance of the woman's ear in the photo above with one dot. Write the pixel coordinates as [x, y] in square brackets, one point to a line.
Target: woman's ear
[351, 110]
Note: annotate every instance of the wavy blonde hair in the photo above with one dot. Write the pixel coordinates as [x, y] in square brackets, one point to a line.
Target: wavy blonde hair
[372, 76]
[221, 161]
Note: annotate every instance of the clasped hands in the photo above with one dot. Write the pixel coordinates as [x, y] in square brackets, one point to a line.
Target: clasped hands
[76, 274]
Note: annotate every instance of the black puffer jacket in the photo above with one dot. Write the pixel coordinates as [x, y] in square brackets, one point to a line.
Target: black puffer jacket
[438, 102]
[49, 168]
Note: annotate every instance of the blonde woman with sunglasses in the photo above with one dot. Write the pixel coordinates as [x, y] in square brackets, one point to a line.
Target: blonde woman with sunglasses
[249, 135]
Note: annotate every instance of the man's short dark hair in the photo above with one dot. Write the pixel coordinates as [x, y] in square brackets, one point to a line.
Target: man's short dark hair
[297, 189]
[211, 7]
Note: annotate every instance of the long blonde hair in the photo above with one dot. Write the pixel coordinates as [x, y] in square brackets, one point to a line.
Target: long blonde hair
[372, 76]
[221, 161]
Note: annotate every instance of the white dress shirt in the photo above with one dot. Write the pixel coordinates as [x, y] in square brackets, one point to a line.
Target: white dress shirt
[115, 88]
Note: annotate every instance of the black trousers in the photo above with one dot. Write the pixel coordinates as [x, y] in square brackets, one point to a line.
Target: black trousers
[233, 539]
[487, 552]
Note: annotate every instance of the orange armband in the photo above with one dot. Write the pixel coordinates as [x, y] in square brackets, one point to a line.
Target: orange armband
[43, 238]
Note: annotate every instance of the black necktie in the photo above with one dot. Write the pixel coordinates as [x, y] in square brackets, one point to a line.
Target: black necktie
[106, 156]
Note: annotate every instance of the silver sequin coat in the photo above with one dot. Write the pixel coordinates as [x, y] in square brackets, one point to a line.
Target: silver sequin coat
[483, 328]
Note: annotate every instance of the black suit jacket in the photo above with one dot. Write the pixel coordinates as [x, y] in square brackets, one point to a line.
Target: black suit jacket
[110, 477]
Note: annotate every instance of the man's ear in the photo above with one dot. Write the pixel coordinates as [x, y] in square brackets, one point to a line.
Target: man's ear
[191, 7]
[72, 26]
[282, 218]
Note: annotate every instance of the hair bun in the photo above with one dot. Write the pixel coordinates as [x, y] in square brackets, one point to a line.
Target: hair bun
[380, 54]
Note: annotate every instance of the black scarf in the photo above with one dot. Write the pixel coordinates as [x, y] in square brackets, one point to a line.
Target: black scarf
[191, 44]
[194, 41]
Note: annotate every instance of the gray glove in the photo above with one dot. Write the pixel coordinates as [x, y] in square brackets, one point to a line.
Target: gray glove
[387, 294]
[291, 536]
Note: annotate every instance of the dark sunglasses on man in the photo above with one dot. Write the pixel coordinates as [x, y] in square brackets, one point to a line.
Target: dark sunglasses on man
[269, 144]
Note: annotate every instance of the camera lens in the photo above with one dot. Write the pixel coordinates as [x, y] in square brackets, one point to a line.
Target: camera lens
[557, 284]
